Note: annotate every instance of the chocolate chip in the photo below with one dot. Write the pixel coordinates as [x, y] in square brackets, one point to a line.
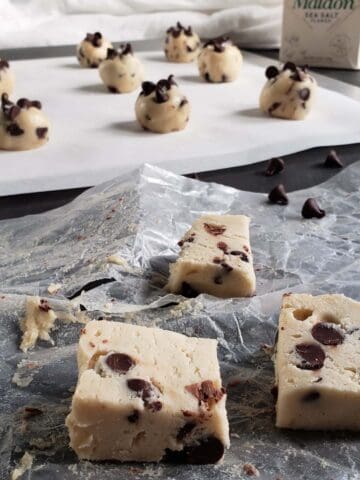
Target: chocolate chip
[185, 430]
[148, 88]
[207, 77]
[189, 49]
[298, 75]
[4, 64]
[154, 406]
[183, 102]
[126, 49]
[228, 268]
[312, 355]
[44, 306]
[224, 78]
[223, 246]
[311, 396]
[274, 392]
[213, 229]
[111, 54]
[278, 195]
[188, 291]
[311, 209]
[30, 412]
[271, 72]
[82, 308]
[134, 417]
[217, 260]
[274, 106]
[112, 89]
[275, 166]
[218, 279]
[333, 160]
[205, 392]
[242, 255]
[207, 450]
[94, 38]
[327, 334]
[119, 362]
[41, 132]
[290, 66]
[161, 96]
[304, 94]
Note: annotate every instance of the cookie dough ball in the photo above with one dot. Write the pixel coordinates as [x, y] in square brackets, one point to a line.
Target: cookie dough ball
[92, 50]
[219, 60]
[23, 125]
[289, 93]
[7, 79]
[182, 45]
[121, 72]
[161, 107]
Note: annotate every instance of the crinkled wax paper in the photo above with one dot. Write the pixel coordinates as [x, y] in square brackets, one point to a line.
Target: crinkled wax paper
[136, 220]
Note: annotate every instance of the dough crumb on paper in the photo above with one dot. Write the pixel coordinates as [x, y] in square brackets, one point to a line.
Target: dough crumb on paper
[25, 464]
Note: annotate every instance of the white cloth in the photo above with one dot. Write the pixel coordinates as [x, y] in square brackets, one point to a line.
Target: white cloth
[256, 23]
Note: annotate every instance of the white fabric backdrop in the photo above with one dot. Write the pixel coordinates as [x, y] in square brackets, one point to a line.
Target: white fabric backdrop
[256, 23]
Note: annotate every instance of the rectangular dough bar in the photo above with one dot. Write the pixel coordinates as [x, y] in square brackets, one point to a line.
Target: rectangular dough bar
[215, 258]
[146, 394]
[318, 363]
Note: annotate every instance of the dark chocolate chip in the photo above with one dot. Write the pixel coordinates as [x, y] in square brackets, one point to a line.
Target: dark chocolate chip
[189, 49]
[228, 268]
[218, 279]
[41, 132]
[82, 308]
[119, 362]
[224, 78]
[214, 229]
[311, 396]
[112, 89]
[44, 306]
[188, 291]
[313, 356]
[298, 75]
[154, 406]
[223, 246]
[274, 106]
[271, 72]
[14, 130]
[140, 386]
[311, 209]
[290, 66]
[304, 93]
[207, 77]
[333, 160]
[126, 49]
[274, 392]
[205, 391]
[185, 430]
[94, 38]
[148, 88]
[327, 334]
[275, 166]
[161, 96]
[111, 54]
[4, 64]
[207, 450]
[134, 417]
[183, 102]
[278, 195]
[242, 255]
[217, 260]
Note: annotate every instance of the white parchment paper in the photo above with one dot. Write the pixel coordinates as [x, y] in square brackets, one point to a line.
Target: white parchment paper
[95, 137]
[139, 217]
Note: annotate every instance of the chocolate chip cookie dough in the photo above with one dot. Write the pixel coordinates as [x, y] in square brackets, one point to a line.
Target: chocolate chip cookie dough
[215, 258]
[7, 78]
[317, 363]
[23, 125]
[161, 107]
[145, 394]
[121, 71]
[92, 50]
[219, 60]
[288, 93]
[182, 45]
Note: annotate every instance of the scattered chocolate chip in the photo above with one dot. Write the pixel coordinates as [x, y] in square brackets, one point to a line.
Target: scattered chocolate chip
[218, 279]
[271, 72]
[333, 160]
[139, 385]
[278, 195]
[217, 43]
[274, 106]
[223, 246]
[180, 243]
[126, 49]
[154, 406]
[327, 334]
[205, 392]
[4, 64]
[241, 254]
[275, 166]
[311, 396]
[44, 306]
[176, 31]
[188, 291]
[213, 229]
[274, 392]
[311, 209]
[161, 96]
[148, 88]
[319, 379]
[41, 132]
[189, 49]
[224, 78]
[207, 450]
[185, 430]
[298, 75]
[134, 417]
[94, 38]
[112, 89]
[290, 66]
[30, 412]
[304, 93]
[217, 260]
[313, 356]
[228, 268]
[111, 54]
[119, 362]
[207, 77]
[82, 308]
[183, 102]
[26, 103]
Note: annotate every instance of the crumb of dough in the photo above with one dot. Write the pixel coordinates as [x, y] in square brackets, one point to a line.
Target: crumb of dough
[53, 288]
[25, 464]
[38, 321]
[251, 470]
[117, 260]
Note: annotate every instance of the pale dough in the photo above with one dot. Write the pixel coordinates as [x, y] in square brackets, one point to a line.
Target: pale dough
[38, 321]
[121, 71]
[289, 93]
[219, 61]
[23, 125]
[182, 45]
[161, 107]
[92, 50]
[7, 79]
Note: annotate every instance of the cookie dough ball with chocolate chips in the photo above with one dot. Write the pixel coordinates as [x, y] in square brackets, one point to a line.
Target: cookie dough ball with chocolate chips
[7, 79]
[219, 60]
[23, 125]
[288, 93]
[122, 71]
[161, 107]
[92, 50]
[182, 45]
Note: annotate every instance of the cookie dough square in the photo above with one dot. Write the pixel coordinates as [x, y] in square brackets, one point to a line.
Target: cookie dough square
[215, 258]
[318, 363]
[146, 394]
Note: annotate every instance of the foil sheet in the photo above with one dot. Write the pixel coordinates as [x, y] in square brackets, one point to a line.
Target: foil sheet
[136, 221]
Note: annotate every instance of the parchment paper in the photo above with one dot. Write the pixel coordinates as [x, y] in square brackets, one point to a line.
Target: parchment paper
[139, 217]
[94, 135]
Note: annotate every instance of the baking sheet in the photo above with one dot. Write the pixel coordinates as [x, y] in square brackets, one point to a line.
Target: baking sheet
[138, 218]
[95, 136]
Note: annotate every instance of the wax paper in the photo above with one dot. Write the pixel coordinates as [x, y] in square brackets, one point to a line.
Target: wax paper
[115, 242]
